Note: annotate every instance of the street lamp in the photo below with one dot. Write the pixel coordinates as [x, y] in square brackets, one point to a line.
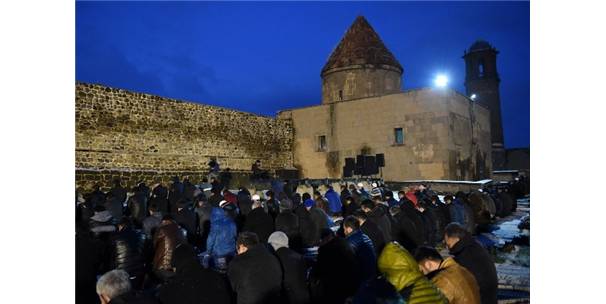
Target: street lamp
[473, 96]
[441, 81]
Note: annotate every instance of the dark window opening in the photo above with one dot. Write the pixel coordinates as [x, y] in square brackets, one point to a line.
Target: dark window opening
[322, 143]
[481, 68]
[340, 94]
[399, 136]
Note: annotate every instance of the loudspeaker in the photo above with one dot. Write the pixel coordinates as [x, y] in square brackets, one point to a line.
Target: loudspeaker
[350, 162]
[381, 160]
[370, 166]
[348, 172]
[359, 169]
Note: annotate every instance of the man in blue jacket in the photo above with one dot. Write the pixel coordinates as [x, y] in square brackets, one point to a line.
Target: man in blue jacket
[221, 242]
[334, 201]
[362, 247]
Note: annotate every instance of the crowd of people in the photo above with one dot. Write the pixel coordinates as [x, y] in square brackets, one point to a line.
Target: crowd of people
[187, 244]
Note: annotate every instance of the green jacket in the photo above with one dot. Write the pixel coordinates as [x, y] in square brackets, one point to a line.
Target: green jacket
[402, 271]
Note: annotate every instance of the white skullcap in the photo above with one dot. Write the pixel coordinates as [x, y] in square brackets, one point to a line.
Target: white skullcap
[278, 240]
[256, 197]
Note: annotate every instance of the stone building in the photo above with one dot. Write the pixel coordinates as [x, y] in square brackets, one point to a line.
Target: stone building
[423, 133]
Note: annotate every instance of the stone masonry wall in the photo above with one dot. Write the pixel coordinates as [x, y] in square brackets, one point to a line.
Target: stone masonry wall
[141, 136]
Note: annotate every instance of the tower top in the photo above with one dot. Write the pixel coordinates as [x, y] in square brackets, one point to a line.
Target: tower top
[359, 46]
[480, 45]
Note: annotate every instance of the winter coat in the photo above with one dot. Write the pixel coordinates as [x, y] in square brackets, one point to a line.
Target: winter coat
[192, 284]
[375, 234]
[244, 202]
[256, 276]
[334, 201]
[166, 238]
[119, 194]
[441, 217]
[203, 216]
[430, 226]
[137, 206]
[133, 297]
[456, 283]
[408, 227]
[380, 215]
[127, 252]
[89, 260]
[319, 219]
[288, 222]
[456, 210]
[222, 237]
[294, 281]
[259, 222]
[471, 255]
[344, 194]
[336, 274]
[479, 205]
[309, 235]
[161, 203]
[365, 254]
[150, 224]
[273, 207]
[114, 207]
[402, 271]
[186, 218]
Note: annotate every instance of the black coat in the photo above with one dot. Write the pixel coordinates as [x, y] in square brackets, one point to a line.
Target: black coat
[349, 209]
[309, 236]
[288, 222]
[416, 218]
[186, 218]
[405, 233]
[127, 252]
[259, 222]
[336, 274]
[89, 260]
[161, 203]
[294, 282]
[375, 234]
[193, 284]
[256, 276]
[320, 221]
[380, 216]
[119, 193]
[471, 255]
[273, 207]
[134, 298]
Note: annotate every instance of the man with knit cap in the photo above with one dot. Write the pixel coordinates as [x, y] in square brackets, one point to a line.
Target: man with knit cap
[293, 266]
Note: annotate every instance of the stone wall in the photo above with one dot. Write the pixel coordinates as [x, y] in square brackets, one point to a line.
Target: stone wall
[445, 136]
[141, 136]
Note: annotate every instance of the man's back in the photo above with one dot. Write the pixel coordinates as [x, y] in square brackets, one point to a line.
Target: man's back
[375, 234]
[471, 255]
[295, 285]
[259, 222]
[256, 276]
[456, 283]
[365, 254]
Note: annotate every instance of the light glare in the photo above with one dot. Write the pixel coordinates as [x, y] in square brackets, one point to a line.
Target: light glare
[441, 81]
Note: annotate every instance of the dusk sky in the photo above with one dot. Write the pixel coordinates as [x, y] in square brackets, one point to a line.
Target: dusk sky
[263, 57]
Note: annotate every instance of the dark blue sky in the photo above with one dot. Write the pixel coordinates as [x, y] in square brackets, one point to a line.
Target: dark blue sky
[262, 57]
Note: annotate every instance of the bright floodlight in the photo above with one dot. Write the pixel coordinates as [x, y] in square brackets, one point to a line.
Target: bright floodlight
[473, 96]
[441, 81]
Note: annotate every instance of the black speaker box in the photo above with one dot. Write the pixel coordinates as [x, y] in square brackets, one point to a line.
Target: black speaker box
[381, 160]
[370, 166]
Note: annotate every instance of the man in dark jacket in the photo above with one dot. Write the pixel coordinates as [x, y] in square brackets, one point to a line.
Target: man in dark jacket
[379, 214]
[151, 222]
[403, 229]
[273, 205]
[371, 230]
[255, 274]
[471, 255]
[349, 206]
[137, 205]
[192, 283]
[168, 235]
[309, 236]
[89, 260]
[97, 197]
[336, 274]
[362, 246]
[216, 197]
[293, 267]
[318, 217]
[118, 191]
[160, 198]
[127, 252]
[259, 222]
[244, 201]
[186, 218]
[288, 222]
[344, 193]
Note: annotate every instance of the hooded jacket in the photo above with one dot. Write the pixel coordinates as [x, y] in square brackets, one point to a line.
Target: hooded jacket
[402, 271]
[456, 283]
[166, 238]
[222, 237]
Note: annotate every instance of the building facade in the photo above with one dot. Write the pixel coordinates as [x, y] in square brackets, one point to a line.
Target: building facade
[422, 133]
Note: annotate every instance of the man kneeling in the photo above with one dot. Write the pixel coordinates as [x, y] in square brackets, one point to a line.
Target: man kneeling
[455, 282]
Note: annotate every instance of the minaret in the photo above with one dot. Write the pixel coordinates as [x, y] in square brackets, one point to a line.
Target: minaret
[482, 85]
[360, 66]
